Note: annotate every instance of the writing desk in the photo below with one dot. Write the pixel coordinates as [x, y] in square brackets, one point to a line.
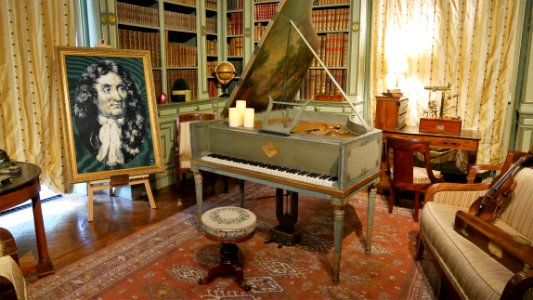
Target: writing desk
[467, 140]
[22, 187]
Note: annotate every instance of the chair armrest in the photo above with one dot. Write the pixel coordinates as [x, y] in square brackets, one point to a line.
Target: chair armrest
[8, 245]
[514, 252]
[518, 285]
[456, 194]
[471, 176]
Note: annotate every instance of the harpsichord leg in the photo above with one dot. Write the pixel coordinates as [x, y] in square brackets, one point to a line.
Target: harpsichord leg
[199, 188]
[372, 190]
[337, 241]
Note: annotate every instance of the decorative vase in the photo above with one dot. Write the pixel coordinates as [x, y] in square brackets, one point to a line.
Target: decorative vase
[162, 99]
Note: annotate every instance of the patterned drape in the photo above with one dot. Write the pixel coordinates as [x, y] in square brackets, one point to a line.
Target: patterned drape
[30, 119]
[470, 45]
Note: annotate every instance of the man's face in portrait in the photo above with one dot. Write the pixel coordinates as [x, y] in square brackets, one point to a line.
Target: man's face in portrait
[111, 95]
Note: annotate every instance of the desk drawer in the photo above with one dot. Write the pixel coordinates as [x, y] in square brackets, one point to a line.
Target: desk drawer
[441, 142]
[402, 109]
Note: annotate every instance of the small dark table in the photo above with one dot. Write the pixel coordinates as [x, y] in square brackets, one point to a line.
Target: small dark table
[21, 188]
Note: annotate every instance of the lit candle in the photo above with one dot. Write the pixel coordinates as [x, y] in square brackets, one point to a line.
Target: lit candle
[234, 117]
[241, 106]
[249, 118]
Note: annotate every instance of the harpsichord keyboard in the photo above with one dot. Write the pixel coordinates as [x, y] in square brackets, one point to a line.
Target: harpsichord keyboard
[273, 170]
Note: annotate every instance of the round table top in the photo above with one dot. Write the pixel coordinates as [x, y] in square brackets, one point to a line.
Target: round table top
[29, 174]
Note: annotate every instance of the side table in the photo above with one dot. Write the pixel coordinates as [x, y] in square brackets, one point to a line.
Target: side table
[21, 188]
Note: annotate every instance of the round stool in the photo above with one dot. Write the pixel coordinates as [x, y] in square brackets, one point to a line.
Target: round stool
[228, 225]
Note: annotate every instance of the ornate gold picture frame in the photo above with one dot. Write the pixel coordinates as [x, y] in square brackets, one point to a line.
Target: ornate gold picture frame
[109, 113]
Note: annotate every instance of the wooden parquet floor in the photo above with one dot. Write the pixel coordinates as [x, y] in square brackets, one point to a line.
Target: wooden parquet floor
[70, 236]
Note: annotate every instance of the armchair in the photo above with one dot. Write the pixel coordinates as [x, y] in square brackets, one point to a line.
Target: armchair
[12, 282]
[466, 270]
[403, 175]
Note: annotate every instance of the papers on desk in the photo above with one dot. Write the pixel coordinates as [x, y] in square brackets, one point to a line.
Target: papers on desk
[5, 179]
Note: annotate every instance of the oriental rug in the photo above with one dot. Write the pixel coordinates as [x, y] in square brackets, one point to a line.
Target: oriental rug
[165, 260]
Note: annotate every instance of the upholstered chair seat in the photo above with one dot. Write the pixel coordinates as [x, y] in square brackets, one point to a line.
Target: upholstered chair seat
[470, 270]
[228, 225]
[12, 281]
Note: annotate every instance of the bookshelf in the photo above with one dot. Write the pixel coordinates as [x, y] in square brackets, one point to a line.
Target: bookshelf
[234, 32]
[211, 45]
[263, 12]
[182, 42]
[332, 23]
[182, 36]
[228, 30]
[340, 26]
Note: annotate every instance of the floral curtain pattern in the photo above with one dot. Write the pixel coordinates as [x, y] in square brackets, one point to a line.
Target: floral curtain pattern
[30, 119]
[469, 45]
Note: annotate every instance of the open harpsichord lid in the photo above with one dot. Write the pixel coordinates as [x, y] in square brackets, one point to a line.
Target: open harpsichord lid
[280, 62]
[275, 73]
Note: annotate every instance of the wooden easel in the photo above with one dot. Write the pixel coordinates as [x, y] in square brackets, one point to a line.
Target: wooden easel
[116, 181]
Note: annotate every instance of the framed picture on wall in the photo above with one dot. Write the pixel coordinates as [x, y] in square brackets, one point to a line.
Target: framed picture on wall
[109, 113]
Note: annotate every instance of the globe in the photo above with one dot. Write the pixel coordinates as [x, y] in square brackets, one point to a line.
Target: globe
[224, 72]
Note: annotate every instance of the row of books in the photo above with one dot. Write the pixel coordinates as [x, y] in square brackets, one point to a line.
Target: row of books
[211, 65]
[259, 30]
[234, 4]
[331, 19]
[239, 66]
[209, 4]
[185, 2]
[212, 89]
[136, 14]
[181, 55]
[211, 25]
[234, 46]
[333, 50]
[132, 39]
[157, 83]
[232, 85]
[234, 23]
[330, 2]
[179, 21]
[264, 11]
[211, 46]
[317, 83]
[190, 76]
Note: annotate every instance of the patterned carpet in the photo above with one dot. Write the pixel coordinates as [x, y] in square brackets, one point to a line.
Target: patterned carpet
[165, 260]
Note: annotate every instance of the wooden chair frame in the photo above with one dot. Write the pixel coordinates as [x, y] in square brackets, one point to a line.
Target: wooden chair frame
[400, 178]
[179, 172]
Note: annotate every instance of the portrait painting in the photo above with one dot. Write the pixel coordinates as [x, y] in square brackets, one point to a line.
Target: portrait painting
[109, 113]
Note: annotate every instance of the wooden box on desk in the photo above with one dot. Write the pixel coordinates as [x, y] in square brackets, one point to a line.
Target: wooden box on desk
[430, 125]
[391, 112]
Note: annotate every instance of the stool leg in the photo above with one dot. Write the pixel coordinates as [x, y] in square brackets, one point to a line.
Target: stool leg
[228, 265]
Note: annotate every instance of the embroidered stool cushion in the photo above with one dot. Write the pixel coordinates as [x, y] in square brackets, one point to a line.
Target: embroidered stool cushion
[228, 223]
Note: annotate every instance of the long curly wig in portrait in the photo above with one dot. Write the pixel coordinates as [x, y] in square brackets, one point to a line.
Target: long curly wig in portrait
[86, 111]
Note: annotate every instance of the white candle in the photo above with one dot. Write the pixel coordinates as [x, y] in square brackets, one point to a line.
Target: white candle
[249, 118]
[234, 117]
[240, 105]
